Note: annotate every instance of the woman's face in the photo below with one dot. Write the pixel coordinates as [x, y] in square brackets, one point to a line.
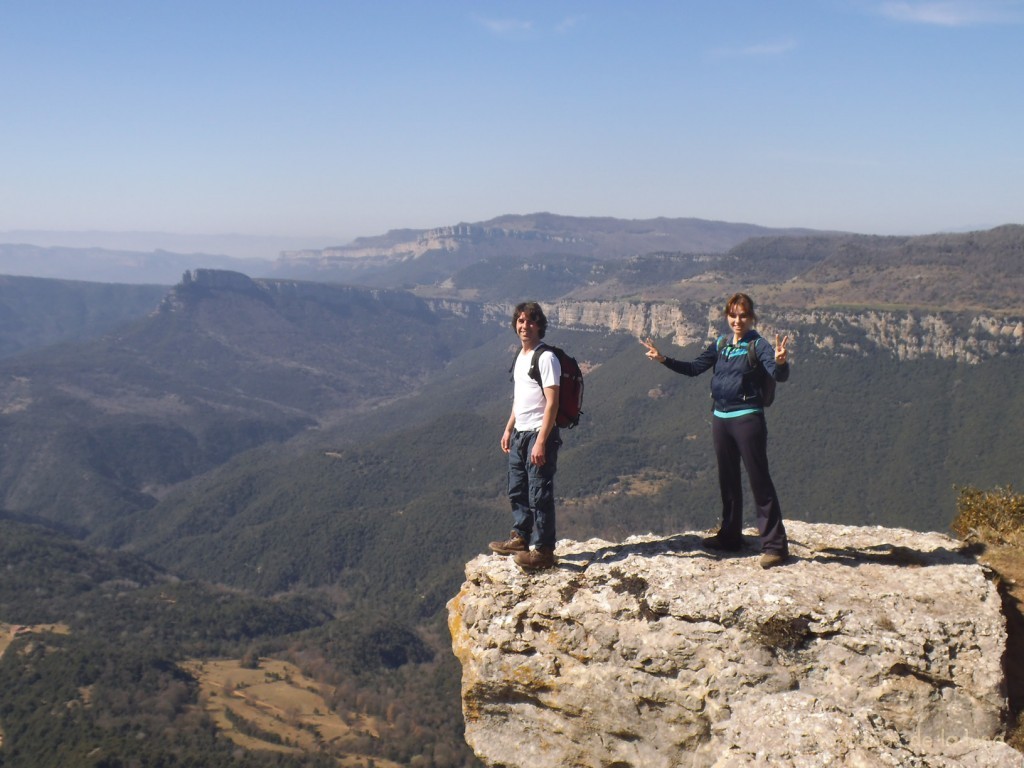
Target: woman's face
[740, 320]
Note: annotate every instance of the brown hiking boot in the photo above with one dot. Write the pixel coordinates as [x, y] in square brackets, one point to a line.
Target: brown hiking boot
[536, 559]
[514, 543]
[772, 559]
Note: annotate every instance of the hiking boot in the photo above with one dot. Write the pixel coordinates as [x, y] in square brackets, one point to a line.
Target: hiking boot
[772, 559]
[514, 543]
[723, 544]
[536, 559]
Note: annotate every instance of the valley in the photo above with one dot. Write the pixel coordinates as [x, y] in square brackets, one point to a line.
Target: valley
[292, 471]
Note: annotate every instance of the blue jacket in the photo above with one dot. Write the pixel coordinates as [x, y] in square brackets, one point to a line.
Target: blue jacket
[734, 387]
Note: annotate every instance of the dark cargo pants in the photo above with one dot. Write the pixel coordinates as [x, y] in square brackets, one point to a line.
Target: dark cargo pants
[746, 438]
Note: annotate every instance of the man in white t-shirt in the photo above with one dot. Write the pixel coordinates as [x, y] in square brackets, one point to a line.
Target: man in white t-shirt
[531, 440]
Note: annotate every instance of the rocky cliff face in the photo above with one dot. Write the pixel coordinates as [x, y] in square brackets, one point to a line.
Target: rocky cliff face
[532, 234]
[967, 338]
[907, 335]
[874, 647]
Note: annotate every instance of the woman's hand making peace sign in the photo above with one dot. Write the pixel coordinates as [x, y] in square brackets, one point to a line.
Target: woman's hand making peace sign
[781, 357]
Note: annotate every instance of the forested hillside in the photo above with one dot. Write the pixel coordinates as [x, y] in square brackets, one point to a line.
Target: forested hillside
[856, 441]
[225, 365]
[95, 647]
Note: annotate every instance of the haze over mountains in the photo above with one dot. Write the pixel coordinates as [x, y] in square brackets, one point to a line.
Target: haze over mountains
[550, 257]
[331, 428]
[234, 246]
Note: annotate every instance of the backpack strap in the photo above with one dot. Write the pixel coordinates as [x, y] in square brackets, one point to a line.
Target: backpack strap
[534, 371]
[719, 346]
[752, 353]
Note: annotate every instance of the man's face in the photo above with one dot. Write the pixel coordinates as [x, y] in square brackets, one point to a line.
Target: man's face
[527, 328]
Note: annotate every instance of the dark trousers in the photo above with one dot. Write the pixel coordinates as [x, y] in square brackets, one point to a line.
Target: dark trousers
[746, 438]
[531, 489]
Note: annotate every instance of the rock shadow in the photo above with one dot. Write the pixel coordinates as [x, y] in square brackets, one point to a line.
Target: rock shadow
[894, 555]
[677, 544]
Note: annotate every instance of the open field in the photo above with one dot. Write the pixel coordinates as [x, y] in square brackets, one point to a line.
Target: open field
[275, 707]
[10, 631]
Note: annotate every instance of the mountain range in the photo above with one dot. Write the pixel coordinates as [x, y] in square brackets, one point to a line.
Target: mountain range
[337, 438]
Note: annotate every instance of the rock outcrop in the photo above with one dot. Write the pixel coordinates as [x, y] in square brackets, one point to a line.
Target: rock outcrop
[967, 338]
[873, 647]
[905, 335]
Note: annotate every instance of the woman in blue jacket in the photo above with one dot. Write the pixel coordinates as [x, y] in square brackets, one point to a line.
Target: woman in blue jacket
[738, 426]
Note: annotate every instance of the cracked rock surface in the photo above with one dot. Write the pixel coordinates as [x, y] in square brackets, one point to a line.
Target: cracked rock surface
[872, 647]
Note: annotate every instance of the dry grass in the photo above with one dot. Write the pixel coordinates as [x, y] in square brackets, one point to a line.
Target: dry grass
[995, 516]
[995, 519]
[646, 483]
[277, 699]
[10, 631]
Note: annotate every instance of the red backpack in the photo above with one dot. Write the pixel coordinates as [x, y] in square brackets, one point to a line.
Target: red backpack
[570, 385]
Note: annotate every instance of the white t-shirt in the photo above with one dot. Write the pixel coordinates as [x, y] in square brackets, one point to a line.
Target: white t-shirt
[528, 399]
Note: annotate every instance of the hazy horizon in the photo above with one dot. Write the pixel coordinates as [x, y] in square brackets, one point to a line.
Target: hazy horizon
[246, 246]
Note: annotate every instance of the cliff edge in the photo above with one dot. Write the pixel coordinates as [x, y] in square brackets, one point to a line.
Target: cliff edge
[874, 647]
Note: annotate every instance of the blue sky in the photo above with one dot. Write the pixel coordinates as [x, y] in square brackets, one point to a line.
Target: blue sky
[342, 119]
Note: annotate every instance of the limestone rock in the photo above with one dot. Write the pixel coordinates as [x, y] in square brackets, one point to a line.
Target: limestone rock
[965, 338]
[873, 647]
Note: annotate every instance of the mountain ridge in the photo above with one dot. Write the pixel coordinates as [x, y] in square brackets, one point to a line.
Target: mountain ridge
[548, 257]
[522, 236]
[797, 268]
